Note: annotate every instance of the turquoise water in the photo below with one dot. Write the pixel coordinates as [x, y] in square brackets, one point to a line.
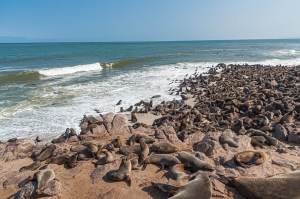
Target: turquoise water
[47, 87]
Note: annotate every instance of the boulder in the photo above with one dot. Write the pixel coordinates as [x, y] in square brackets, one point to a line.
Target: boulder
[294, 136]
[280, 133]
[53, 188]
[119, 125]
[27, 191]
[17, 179]
[208, 145]
[170, 133]
[107, 120]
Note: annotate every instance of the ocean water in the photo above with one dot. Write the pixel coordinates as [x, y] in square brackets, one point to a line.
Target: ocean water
[47, 87]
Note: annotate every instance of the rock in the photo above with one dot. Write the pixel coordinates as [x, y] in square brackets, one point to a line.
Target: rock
[266, 128]
[132, 193]
[294, 136]
[142, 129]
[53, 188]
[159, 134]
[218, 188]
[17, 179]
[107, 120]
[170, 133]
[100, 129]
[194, 137]
[209, 146]
[270, 115]
[84, 128]
[28, 190]
[280, 133]
[23, 145]
[119, 125]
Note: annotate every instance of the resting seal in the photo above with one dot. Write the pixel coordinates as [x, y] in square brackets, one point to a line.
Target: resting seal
[43, 177]
[160, 159]
[195, 163]
[248, 158]
[31, 167]
[46, 153]
[164, 147]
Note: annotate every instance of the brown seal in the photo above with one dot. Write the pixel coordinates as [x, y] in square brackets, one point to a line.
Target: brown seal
[123, 172]
[227, 137]
[91, 146]
[126, 150]
[62, 159]
[195, 163]
[280, 186]
[46, 153]
[160, 159]
[144, 150]
[177, 172]
[164, 147]
[117, 142]
[72, 162]
[32, 166]
[248, 158]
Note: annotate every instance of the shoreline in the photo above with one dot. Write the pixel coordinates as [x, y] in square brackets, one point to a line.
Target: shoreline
[247, 101]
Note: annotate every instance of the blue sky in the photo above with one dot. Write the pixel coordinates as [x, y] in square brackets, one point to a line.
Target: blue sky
[147, 20]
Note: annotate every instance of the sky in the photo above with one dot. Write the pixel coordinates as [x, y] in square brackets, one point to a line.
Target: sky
[147, 20]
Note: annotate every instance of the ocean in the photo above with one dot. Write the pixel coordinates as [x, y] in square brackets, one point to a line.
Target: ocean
[48, 87]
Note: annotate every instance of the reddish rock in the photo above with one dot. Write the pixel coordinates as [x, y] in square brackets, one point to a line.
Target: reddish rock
[53, 188]
[18, 179]
[119, 125]
[73, 139]
[100, 129]
[194, 137]
[170, 133]
[209, 146]
[107, 120]
[144, 130]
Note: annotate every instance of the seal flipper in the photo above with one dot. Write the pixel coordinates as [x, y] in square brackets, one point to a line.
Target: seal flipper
[144, 166]
[253, 160]
[161, 168]
[127, 180]
[165, 187]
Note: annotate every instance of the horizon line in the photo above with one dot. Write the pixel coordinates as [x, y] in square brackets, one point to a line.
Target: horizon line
[138, 41]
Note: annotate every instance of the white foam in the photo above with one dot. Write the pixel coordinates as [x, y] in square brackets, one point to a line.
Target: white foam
[284, 52]
[70, 70]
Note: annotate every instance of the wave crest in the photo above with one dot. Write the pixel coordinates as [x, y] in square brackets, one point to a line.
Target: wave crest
[70, 70]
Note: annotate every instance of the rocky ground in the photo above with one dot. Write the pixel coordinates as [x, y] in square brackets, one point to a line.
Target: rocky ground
[241, 108]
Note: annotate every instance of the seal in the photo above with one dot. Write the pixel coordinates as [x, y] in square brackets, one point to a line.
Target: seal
[195, 163]
[160, 159]
[72, 162]
[144, 150]
[78, 148]
[164, 147]
[123, 173]
[46, 153]
[199, 187]
[126, 150]
[137, 136]
[287, 118]
[133, 117]
[117, 142]
[108, 158]
[36, 164]
[248, 158]
[227, 137]
[255, 142]
[278, 186]
[177, 172]
[91, 146]
[43, 177]
[62, 159]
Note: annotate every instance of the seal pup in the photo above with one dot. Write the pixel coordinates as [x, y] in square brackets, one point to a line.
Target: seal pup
[43, 177]
[92, 147]
[37, 139]
[248, 158]
[72, 162]
[36, 164]
[200, 187]
[133, 117]
[62, 159]
[117, 142]
[123, 172]
[144, 150]
[46, 153]
[108, 158]
[160, 159]
[164, 147]
[227, 137]
[195, 163]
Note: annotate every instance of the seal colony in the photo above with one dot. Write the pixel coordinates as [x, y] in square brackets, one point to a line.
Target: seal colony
[234, 133]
